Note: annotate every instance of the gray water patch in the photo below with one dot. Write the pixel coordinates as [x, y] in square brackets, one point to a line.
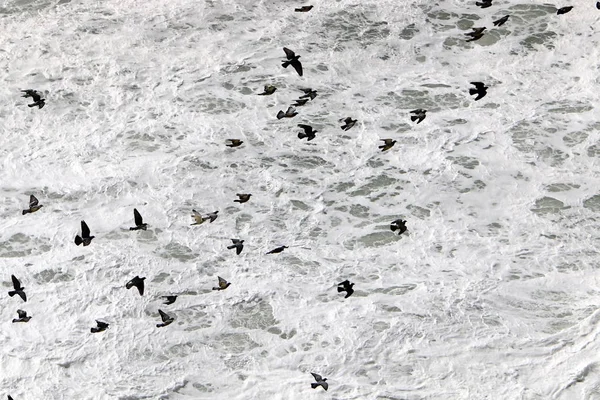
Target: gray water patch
[253, 315]
[548, 205]
[561, 187]
[50, 275]
[177, 251]
[235, 343]
[21, 245]
[593, 203]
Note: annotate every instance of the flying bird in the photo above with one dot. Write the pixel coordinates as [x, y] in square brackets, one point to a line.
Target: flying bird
[169, 299]
[309, 132]
[348, 123]
[290, 113]
[233, 142]
[139, 222]
[388, 144]
[223, 284]
[480, 90]
[309, 93]
[320, 381]
[299, 102]
[101, 327]
[562, 10]
[85, 237]
[292, 59]
[303, 9]
[237, 245]
[419, 115]
[501, 21]
[277, 250]
[18, 289]
[484, 3]
[476, 34]
[33, 205]
[243, 197]
[22, 317]
[36, 97]
[166, 319]
[138, 283]
[398, 225]
[269, 90]
[346, 286]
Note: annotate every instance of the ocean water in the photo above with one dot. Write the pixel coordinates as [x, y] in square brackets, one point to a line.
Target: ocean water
[492, 293]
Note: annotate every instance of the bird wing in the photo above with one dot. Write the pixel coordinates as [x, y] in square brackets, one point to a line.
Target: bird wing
[129, 284]
[33, 201]
[307, 128]
[478, 85]
[197, 217]
[140, 287]
[387, 141]
[102, 325]
[298, 67]
[289, 53]
[290, 110]
[85, 230]
[222, 282]
[164, 316]
[22, 314]
[346, 282]
[16, 283]
[238, 249]
[317, 377]
[35, 96]
[137, 217]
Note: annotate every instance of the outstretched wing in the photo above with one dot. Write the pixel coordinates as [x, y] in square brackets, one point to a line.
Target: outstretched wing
[137, 217]
[33, 201]
[164, 316]
[222, 282]
[85, 230]
[16, 283]
[22, 314]
[317, 377]
[289, 53]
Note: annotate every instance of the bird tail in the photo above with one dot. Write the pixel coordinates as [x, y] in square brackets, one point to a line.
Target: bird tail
[12, 293]
[302, 135]
[31, 105]
[216, 288]
[134, 228]
[473, 91]
[394, 228]
[94, 330]
[231, 247]
[26, 212]
[413, 118]
[314, 385]
[280, 114]
[78, 240]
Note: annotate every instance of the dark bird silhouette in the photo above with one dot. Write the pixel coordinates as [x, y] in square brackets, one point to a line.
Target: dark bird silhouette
[475, 37]
[139, 222]
[138, 283]
[277, 250]
[299, 102]
[476, 34]
[85, 237]
[308, 133]
[169, 299]
[598, 5]
[309, 93]
[484, 3]
[199, 218]
[388, 144]
[36, 97]
[419, 115]
[33, 205]
[166, 319]
[10, 398]
[346, 286]
[303, 9]
[290, 113]
[398, 225]
[223, 284]
[243, 197]
[480, 90]
[22, 317]
[237, 245]
[348, 123]
[501, 21]
[564, 10]
[233, 142]
[292, 59]
[269, 90]
[18, 289]
[101, 327]
[320, 382]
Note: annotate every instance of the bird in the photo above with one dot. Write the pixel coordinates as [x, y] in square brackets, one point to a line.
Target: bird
[309, 93]
[85, 237]
[398, 225]
[10, 398]
[237, 245]
[33, 205]
[20, 290]
[480, 90]
[277, 250]
[564, 10]
[320, 381]
[475, 37]
[598, 5]
[501, 21]
[233, 142]
[348, 123]
[197, 217]
[22, 317]
[303, 9]
[223, 284]
[169, 299]
[476, 34]
[292, 59]
[299, 102]
[139, 222]
[346, 286]
[243, 197]
[484, 3]
[166, 319]
[290, 113]
[101, 327]
[35, 96]
[309, 132]
[138, 283]
[269, 90]
[419, 115]
[389, 143]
